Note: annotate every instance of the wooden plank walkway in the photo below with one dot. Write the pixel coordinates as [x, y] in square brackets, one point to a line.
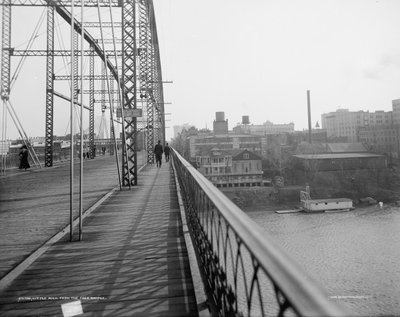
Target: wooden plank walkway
[132, 262]
[34, 204]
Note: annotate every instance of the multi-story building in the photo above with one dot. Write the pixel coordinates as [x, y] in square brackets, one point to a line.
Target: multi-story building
[220, 125]
[396, 111]
[271, 135]
[200, 143]
[222, 139]
[345, 123]
[230, 168]
[263, 129]
[378, 131]
[227, 159]
[338, 161]
[214, 162]
[382, 139]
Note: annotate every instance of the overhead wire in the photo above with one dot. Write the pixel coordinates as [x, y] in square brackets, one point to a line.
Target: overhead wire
[63, 46]
[9, 107]
[7, 103]
[30, 43]
[108, 88]
[66, 67]
[22, 133]
[45, 32]
[65, 61]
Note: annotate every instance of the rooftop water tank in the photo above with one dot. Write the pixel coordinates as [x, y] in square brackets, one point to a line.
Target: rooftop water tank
[220, 116]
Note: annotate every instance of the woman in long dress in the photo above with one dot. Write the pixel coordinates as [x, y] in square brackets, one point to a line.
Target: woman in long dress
[23, 158]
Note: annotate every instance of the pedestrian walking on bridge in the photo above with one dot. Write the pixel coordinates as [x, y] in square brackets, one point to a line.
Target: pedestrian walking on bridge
[166, 152]
[158, 151]
[23, 158]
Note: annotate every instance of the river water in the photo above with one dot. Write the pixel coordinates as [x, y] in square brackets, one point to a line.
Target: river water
[354, 255]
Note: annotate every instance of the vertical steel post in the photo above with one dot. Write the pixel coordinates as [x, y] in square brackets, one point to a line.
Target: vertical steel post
[103, 88]
[5, 66]
[4, 144]
[129, 55]
[91, 102]
[147, 76]
[112, 132]
[309, 116]
[81, 129]
[73, 92]
[103, 132]
[144, 92]
[48, 150]
[150, 141]
[5, 49]
[75, 65]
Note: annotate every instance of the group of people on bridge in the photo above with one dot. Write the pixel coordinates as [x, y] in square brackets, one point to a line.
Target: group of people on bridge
[159, 150]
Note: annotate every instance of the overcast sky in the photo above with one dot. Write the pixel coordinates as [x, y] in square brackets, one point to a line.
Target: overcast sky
[259, 58]
[255, 58]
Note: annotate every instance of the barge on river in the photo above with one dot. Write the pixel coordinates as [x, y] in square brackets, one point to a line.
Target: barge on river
[324, 205]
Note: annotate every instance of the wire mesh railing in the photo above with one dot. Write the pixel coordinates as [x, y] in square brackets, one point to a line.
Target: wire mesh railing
[245, 273]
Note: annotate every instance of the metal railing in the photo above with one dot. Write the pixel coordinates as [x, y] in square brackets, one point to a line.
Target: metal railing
[245, 273]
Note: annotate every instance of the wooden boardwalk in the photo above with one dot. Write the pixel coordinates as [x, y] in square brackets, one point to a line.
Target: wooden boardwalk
[132, 262]
[34, 204]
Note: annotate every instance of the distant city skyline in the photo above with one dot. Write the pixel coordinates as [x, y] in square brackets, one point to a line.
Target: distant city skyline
[261, 122]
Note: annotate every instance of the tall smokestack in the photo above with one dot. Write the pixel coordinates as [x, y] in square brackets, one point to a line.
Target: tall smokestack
[309, 116]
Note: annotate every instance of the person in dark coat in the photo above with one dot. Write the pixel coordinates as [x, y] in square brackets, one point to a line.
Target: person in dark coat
[158, 151]
[23, 158]
[166, 152]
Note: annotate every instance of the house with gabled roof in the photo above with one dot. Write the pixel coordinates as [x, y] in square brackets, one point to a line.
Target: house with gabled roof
[247, 168]
[214, 162]
[224, 168]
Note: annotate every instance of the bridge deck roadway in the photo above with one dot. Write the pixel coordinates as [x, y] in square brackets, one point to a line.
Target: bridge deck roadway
[132, 260]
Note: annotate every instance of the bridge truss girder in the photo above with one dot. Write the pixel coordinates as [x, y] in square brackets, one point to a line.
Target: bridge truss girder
[159, 114]
[59, 52]
[65, 3]
[48, 149]
[85, 77]
[129, 84]
[91, 103]
[5, 54]
[143, 60]
[146, 77]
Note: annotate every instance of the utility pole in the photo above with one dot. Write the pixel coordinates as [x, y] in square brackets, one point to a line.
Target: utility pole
[309, 116]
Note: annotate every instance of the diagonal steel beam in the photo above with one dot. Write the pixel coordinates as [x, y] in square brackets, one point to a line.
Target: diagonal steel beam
[87, 3]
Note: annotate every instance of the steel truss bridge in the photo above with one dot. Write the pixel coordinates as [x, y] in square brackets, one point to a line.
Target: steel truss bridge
[130, 74]
[244, 273]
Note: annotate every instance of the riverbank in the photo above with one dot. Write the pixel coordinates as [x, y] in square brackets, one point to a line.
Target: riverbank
[285, 198]
[256, 198]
